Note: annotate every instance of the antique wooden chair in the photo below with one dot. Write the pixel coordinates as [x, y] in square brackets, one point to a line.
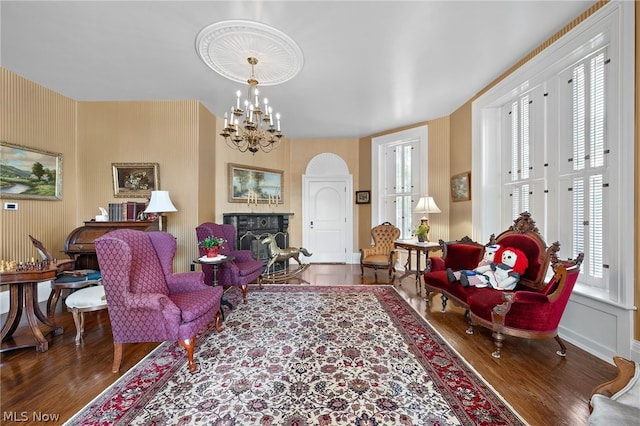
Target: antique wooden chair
[382, 254]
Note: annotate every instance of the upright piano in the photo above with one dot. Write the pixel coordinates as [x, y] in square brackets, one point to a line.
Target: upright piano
[80, 243]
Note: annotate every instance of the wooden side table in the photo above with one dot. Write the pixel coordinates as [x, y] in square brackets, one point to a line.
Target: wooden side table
[411, 245]
[214, 264]
[23, 298]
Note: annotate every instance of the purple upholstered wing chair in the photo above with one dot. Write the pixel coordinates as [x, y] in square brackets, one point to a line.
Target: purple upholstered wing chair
[241, 271]
[147, 302]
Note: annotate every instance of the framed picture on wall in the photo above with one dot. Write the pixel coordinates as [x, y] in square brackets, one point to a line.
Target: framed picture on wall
[461, 187]
[363, 197]
[255, 185]
[29, 173]
[135, 180]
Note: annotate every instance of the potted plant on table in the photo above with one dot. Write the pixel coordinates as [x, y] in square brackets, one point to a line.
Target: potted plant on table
[421, 232]
[211, 245]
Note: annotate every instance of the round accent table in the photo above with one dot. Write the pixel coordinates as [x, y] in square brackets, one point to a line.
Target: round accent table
[215, 262]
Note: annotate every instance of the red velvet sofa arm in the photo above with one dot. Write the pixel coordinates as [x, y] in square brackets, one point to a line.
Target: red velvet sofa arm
[437, 264]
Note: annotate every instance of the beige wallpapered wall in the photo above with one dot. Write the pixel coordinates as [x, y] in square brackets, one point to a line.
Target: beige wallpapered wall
[36, 117]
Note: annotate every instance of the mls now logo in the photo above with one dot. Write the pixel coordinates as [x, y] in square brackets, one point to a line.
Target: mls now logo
[25, 416]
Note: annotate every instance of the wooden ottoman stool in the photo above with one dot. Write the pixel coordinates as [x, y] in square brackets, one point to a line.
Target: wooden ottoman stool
[87, 299]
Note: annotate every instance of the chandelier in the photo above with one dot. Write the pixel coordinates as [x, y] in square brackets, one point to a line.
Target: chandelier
[254, 127]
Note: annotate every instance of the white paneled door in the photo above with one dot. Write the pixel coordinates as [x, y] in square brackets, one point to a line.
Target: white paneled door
[326, 216]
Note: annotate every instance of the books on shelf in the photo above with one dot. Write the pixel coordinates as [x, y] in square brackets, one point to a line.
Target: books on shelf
[115, 212]
[125, 211]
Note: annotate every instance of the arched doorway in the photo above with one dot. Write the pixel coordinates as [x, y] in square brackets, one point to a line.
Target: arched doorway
[327, 209]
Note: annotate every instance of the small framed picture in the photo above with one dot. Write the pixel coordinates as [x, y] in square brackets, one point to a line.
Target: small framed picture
[363, 197]
[461, 187]
[135, 180]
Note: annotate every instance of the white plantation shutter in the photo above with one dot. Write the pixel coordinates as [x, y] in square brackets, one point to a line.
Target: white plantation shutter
[578, 178]
[578, 117]
[588, 166]
[578, 216]
[518, 181]
[516, 202]
[597, 111]
[596, 240]
[515, 140]
[525, 128]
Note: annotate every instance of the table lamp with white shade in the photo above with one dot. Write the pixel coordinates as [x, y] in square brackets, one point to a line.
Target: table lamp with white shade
[425, 206]
[160, 203]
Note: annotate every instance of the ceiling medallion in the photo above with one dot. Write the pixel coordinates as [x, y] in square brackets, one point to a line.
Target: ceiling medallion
[225, 46]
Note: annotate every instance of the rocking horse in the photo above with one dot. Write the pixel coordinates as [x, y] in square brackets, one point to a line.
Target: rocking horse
[277, 254]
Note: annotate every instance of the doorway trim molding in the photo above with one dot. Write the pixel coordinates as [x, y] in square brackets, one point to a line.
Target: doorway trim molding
[329, 167]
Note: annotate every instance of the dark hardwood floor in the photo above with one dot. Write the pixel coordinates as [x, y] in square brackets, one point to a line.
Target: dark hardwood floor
[542, 387]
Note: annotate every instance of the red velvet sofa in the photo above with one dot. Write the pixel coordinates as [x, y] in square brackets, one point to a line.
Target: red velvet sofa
[533, 309]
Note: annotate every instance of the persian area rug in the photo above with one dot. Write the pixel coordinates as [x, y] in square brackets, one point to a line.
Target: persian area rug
[307, 355]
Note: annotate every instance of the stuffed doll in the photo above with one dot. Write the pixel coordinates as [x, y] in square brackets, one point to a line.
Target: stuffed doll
[501, 276]
[487, 260]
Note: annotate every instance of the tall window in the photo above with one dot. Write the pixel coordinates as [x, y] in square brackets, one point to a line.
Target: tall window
[556, 139]
[396, 168]
[401, 192]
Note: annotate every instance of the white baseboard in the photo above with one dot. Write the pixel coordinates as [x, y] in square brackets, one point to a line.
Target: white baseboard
[44, 288]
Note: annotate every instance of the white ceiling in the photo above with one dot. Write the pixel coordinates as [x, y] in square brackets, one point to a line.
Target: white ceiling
[369, 66]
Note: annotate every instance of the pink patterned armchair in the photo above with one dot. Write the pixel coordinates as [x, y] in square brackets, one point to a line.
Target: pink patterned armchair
[243, 270]
[147, 301]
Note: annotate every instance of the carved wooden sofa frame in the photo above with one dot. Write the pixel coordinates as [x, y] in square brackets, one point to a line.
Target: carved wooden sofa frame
[508, 312]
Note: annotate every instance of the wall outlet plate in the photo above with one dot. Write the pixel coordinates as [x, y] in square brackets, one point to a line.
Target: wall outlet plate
[11, 206]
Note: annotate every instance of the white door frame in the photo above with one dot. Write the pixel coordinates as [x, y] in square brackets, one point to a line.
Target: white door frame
[329, 168]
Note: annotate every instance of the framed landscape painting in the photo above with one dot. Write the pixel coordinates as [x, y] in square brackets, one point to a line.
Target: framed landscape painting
[254, 185]
[29, 173]
[135, 180]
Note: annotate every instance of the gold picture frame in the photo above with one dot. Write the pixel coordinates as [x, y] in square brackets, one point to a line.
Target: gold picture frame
[135, 180]
[29, 173]
[255, 185]
[461, 187]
